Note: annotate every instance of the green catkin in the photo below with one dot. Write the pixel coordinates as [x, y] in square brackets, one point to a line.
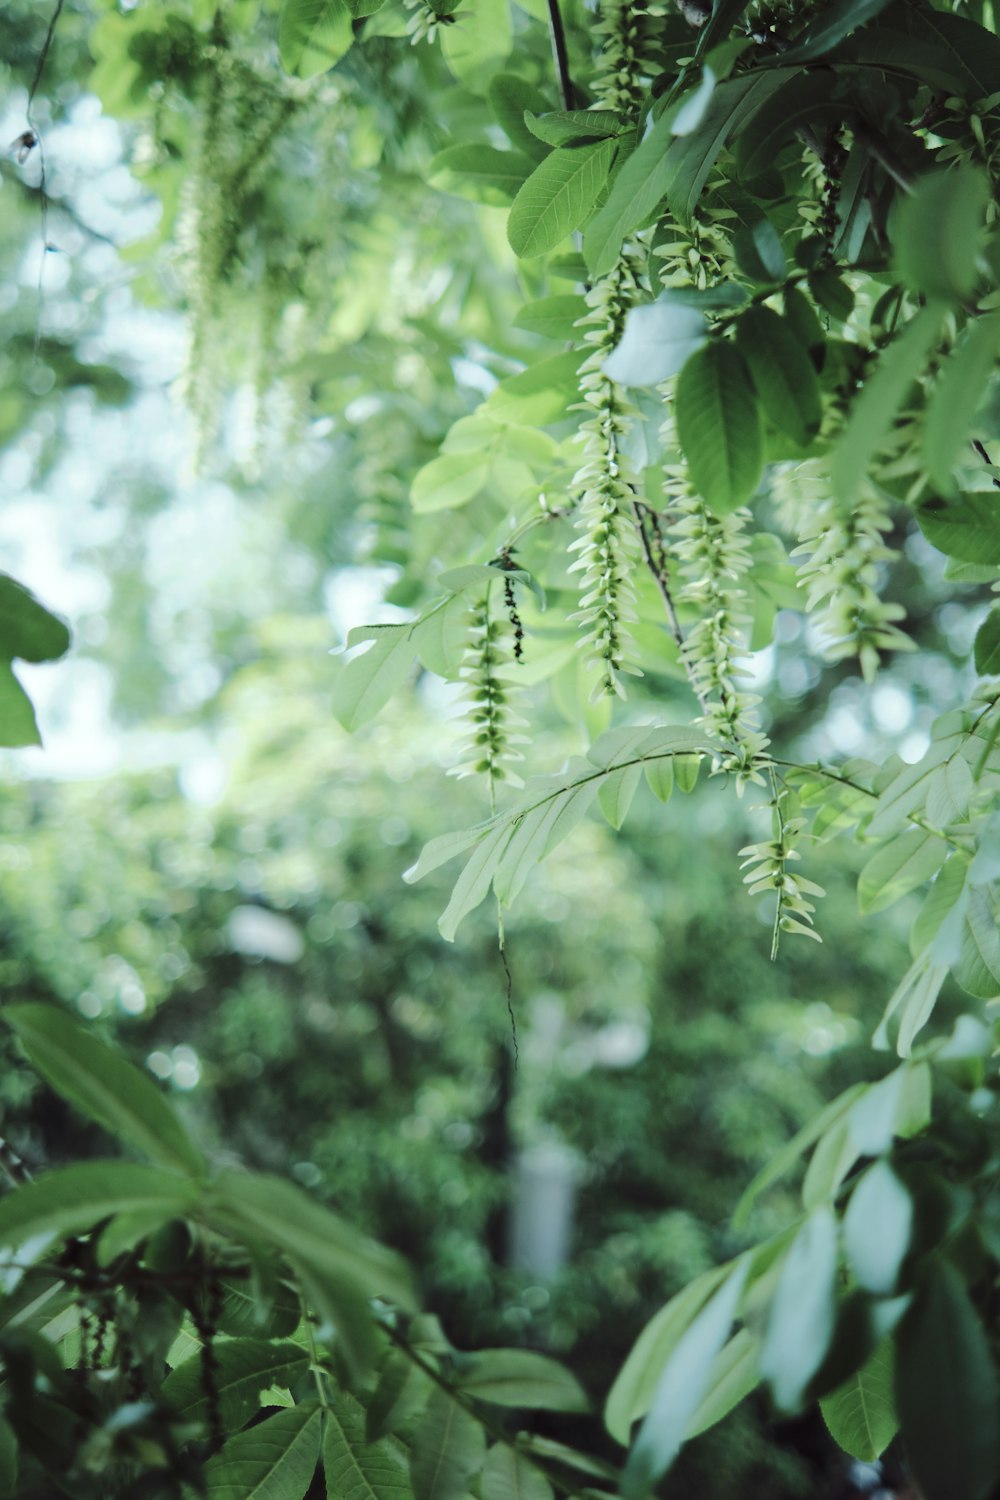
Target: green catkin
[493, 727]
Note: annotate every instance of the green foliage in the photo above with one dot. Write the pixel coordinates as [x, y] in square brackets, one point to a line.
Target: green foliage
[772, 253]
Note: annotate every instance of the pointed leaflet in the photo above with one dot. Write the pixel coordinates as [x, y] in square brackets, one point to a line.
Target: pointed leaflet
[480, 173]
[657, 341]
[510, 99]
[509, 1475]
[782, 372]
[957, 396]
[616, 794]
[877, 1229]
[793, 1149]
[635, 193]
[902, 865]
[967, 528]
[718, 427]
[937, 231]
[681, 1387]
[367, 682]
[273, 1461]
[103, 1085]
[355, 1468]
[564, 127]
[520, 1377]
[558, 197]
[978, 967]
[734, 1376]
[446, 1450]
[18, 726]
[637, 1380]
[861, 1413]
[70, 1199]
[243, 1368]
[450, 480]
[691, 158]
[313, 35]
[946, 1392]
[27, 629]
[800, 1324]
[987, 647]
[880, 399]
[401, 1391]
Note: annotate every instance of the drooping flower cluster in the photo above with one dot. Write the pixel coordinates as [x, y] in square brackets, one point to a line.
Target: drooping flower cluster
[625, 66]
[493, 727]
[608, 547]
[843, 556]
[767, 866]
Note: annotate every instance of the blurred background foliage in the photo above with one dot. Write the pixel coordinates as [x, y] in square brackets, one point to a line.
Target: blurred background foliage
[205, 466]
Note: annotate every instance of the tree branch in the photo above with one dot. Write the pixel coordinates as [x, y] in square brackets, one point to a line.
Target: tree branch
[558, 35]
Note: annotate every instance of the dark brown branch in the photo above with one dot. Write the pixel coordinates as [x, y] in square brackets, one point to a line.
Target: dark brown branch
[557, 33]
[656, 561]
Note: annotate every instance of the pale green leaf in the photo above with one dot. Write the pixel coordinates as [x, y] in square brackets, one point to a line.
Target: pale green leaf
[658, 339]
[520, 1377]
[801, 1320]
[558, 197]
[313, 35]
[877, 1228]
[365, 684]
[906, 862]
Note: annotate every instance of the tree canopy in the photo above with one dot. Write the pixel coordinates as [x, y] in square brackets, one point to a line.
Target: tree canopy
[636, 367]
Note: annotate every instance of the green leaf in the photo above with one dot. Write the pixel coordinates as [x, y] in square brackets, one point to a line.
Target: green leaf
[801, 1320]
[635, 1386]
[339, 1268]
[27, 629]
[830, 27]
[450, 480]
[18, 725]
[987, 647]
[616, 794]
[660, 778]
[789, 1154]
[520, 1377]
[691, 158]
[694, 104]
[657, 341]
[759, 252]
[949, 792]
[355, 1467]
[481, 173]
[313, 35]
[782, 373]
[734, 1375]
[912, 1002]
[897, 1105]
[552, 317]
[478, 43]
[401, 1391]
[718, 426]
[978, 967]
[446, 1450]
[957, 396]
[946, 1391]
[511, 98]
[246, 1315]
[540, 394]
[682, 1386]
[900, 866]
[861, 1413]
[881, 397]
[69, 1199]
[877, 1229]
[558, 197]
[365, 684]
[509, 1475]
[832, 293]
[801, 99]
[562, 127]
[275, 1460]
[937, 232]
[967, 528]
[243, 1368]
[637, 189]
[103, 1085]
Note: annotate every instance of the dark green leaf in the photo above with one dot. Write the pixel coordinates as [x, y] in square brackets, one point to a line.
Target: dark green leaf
[18, 725]
[103, 1085]
[832, 24]
[520, 1377]
[355, 1467]
[401, 1391]
[861, 1414]
[801, 99]
[967, 528]
[718, 426]
[946, 1392]
[782, 373]
[759, 253]
[832, 293]
[657, 341]
[691, 158]
[8, 1459]
[987, 648]
[243, 1368]
[275, 1460]
[558, 197]
[246, 1315]
[27, 629]
[447, 1449]
[509, 1475]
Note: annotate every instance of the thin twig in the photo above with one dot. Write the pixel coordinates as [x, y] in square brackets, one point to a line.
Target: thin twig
[656, 561]
[35, 136]
[558, 35]
[12, 1166]
[509, 982]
